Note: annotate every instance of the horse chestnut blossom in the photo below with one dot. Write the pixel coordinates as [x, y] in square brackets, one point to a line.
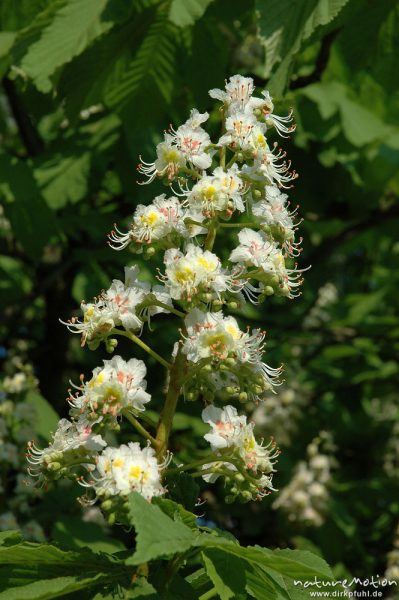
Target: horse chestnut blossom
[226, 234]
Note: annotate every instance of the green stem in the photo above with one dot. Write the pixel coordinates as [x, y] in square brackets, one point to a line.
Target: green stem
[211, 236]
[176, 377]
[193, 222]
[209, 594]
[143, 345]
[169, 308]
[138, 426]
[238, 225]
[197, 463]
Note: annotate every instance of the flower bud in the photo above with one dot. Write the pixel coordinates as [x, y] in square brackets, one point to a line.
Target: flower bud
[233, 305]
[148, 252]
[111, 344]
[107, 504]
[268, 291]
[243, 397]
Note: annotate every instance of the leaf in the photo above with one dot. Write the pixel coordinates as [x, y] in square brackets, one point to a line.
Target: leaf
[52, 588]
[46, 419]
[32, 221]
[226, 572]
[63, 178]
[74, 533]
[9, 538]
[176, 511]
[152, 67]
[186, 12]
[14, 281]
[73, 28]
[284, 25]
[184, 489]
[41, 571]
[157, 535]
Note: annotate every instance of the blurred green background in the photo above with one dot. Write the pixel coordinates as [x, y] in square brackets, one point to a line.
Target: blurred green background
[88, 86]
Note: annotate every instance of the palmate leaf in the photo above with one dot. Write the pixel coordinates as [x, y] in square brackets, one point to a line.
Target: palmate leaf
[186, 12]
[73, 28]
[284, 25]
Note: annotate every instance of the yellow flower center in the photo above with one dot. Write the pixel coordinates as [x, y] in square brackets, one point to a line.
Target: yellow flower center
[209, 192]
[135, 472]
[149, 219]
[233, 331]
[171, 156]
[118, 463]
[206, 264]
[185, 275]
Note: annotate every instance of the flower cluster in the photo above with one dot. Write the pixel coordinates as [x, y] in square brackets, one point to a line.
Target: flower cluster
[216, 361]
[17, 418]
[125, 304]
[278, 415]
[305, 499]
[249, 466]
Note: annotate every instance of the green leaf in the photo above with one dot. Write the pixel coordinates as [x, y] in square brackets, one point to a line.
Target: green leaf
[226, 572]
[176, 511]
[284, 25]
[14, 281]
[157, 535]
[74, 533]
[46, 419]
[30, 571]
[153, 66]
[52, 588]
[73, 28]
[32, 221]
[186, 12]
[64, 177]
[184, 489]
[9, 538]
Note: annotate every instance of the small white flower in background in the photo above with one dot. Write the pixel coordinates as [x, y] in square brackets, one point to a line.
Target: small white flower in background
[305, 498]
[113, 387]
[9, 454]
[16, 383]
[8, 521]
[126, 469]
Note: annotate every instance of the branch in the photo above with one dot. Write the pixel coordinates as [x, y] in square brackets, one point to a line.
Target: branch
[30, 137]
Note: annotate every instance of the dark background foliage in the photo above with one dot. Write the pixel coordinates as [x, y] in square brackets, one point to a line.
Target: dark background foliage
[89, 85]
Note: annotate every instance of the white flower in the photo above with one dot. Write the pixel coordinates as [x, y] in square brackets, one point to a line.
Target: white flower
[213, 336]
[238, 92]
[151, 223]
[226, 426]
[15, 384]
[118, 306]
[231, 430]
[221, 191]
[69, 439]
[257, 250]
[126, 469]
[242, 132]
[238, 97]
[187, 144]
[113, 387]
[267, 167]
[193, 272]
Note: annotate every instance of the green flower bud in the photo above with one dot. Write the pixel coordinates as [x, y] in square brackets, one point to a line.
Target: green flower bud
[111, 518]
[243, 397]
[111, 344]
[233, 305]
[268, 291]
[107, 505]
[148, 252]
